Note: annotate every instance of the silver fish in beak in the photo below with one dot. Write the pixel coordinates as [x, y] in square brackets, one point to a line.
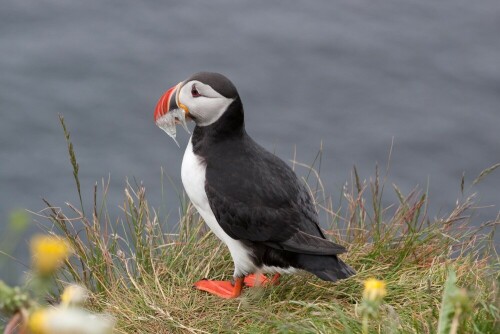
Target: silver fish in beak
[168, 113]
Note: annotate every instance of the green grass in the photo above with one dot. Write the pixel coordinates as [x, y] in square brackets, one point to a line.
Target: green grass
[143, 275]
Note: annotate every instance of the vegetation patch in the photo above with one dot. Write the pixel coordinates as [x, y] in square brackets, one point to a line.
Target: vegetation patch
[141, 272]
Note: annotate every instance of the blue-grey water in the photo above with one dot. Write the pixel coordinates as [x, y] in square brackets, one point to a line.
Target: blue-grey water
[352, 74]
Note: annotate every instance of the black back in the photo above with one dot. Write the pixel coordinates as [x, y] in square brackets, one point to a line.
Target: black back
[254, 195]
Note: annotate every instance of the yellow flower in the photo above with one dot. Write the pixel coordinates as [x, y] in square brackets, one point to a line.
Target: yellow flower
[73, 295]
[374, 290]
[38, 322]
[49, 253]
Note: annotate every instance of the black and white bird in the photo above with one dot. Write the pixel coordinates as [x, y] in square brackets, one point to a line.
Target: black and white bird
[250, 199]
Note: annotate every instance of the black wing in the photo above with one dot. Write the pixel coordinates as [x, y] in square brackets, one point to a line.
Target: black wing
[255, 196]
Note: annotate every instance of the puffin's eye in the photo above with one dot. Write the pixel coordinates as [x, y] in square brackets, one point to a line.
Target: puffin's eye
[194, 91]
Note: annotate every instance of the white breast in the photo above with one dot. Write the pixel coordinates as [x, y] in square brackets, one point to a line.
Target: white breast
[193, 178]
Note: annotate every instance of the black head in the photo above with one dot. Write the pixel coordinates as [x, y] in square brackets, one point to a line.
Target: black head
[205, 98]
[218, 82]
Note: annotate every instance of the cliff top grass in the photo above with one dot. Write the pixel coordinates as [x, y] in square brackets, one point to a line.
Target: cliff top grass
[141, 271]
[143, 275]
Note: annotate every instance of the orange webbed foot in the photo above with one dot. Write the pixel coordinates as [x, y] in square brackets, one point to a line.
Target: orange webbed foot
[261, 280]
[223, 289]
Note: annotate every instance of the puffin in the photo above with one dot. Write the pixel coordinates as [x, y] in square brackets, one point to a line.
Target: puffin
[251, 199]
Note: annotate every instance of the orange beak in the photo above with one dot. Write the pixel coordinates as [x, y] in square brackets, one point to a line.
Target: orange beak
[169, 102]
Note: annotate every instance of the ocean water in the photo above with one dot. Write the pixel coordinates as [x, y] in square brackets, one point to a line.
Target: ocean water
[351, 76]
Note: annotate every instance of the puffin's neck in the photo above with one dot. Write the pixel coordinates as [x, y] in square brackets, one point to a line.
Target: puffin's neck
[230, 126]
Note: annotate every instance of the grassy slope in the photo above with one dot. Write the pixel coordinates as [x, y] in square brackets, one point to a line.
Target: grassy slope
[143, 276]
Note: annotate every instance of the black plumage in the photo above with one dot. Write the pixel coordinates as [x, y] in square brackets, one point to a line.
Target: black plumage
[257, 198]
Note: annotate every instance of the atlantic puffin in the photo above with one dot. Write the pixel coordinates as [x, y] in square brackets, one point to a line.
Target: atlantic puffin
[250, 199]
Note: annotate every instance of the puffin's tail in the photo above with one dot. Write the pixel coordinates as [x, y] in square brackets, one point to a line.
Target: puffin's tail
[326, 267]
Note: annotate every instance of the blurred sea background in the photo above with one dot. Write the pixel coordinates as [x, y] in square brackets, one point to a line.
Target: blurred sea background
[348, 75]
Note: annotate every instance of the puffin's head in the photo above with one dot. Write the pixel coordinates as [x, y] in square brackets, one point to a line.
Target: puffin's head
[204, 97]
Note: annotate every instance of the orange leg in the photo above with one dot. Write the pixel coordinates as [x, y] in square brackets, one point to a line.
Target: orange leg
[224, 289]
[261, 280]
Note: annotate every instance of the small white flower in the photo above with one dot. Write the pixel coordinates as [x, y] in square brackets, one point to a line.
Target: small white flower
[60, 320]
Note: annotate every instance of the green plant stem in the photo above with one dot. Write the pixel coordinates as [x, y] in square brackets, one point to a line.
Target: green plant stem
[365, 324]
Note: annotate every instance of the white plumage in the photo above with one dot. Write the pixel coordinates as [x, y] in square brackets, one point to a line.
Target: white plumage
[193, 178]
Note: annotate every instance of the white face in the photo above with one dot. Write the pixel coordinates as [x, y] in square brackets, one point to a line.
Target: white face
[203, 102]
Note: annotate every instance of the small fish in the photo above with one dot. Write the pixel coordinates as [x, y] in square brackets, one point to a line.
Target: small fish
[168, 122]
